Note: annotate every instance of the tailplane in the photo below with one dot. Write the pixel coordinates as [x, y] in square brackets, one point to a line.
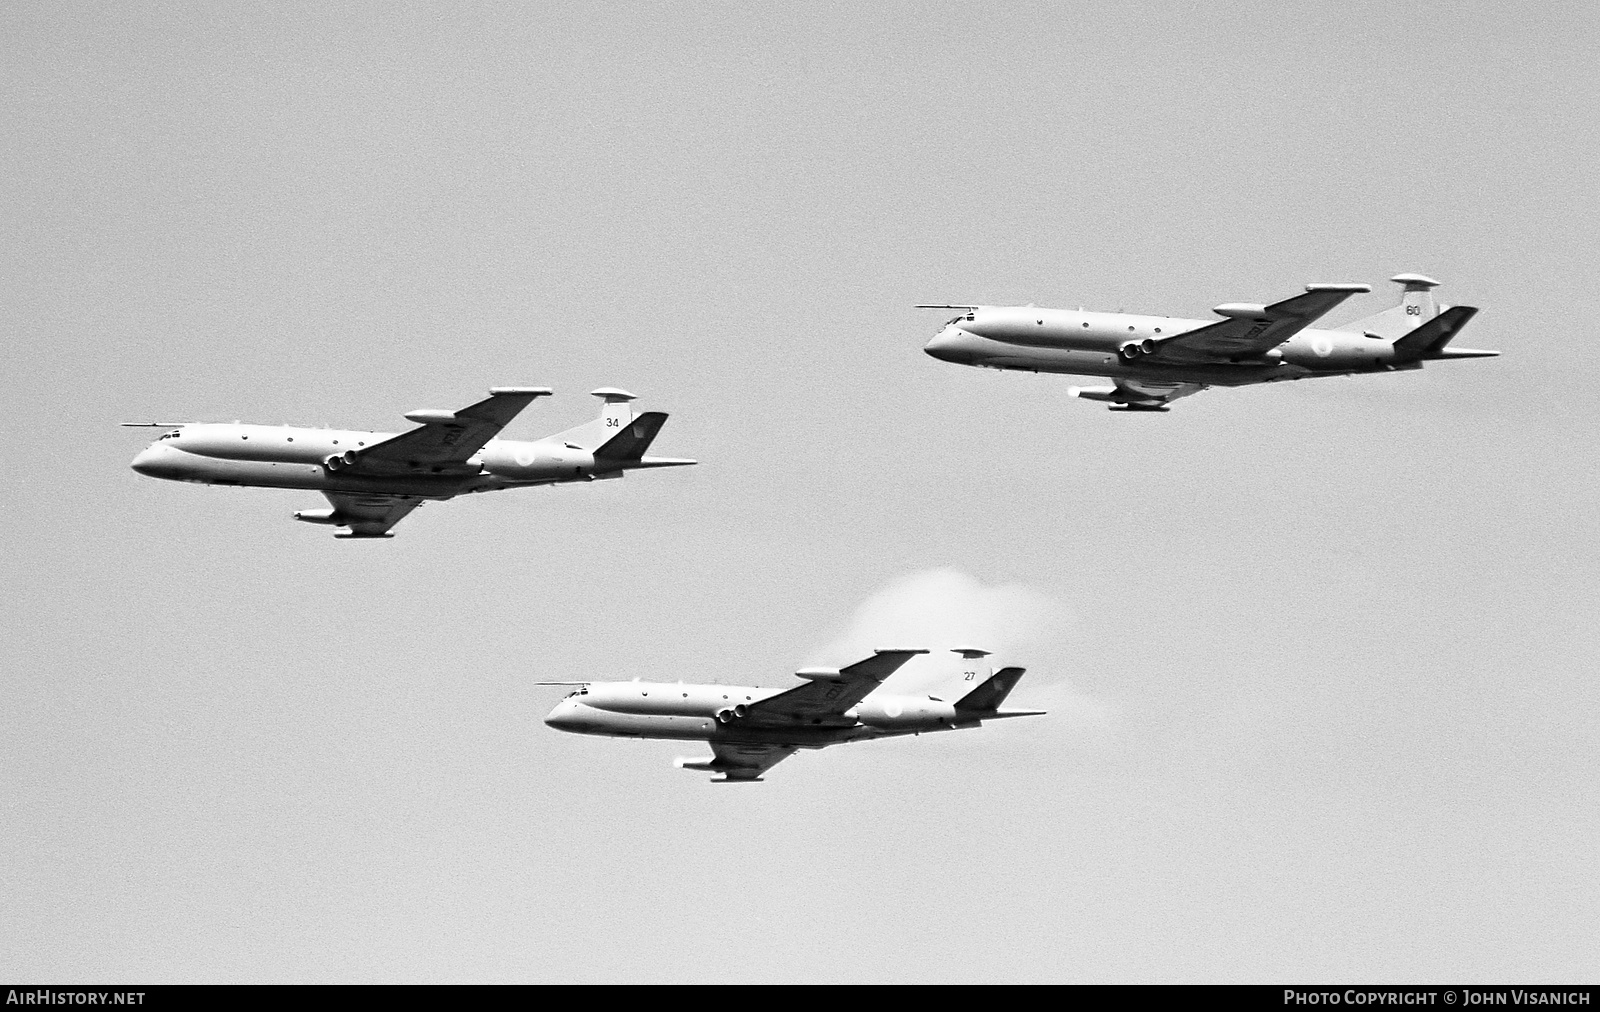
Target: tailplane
[1428, 341]
[625, 450]
[1417, 306]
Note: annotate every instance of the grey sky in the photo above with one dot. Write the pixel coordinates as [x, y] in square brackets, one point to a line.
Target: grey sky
[1322, 656]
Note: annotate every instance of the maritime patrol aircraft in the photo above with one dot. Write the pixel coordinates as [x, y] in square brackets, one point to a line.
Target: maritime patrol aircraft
[373, 479]
[1154, 360]
[752, 729]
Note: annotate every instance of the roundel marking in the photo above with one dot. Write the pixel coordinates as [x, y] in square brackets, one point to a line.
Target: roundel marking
[892, 709]
[1322, 345]
[524, 456]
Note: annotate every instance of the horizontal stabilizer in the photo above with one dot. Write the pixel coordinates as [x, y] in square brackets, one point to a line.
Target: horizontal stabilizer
[1430, 338]
[661, 462]
[1441, 354]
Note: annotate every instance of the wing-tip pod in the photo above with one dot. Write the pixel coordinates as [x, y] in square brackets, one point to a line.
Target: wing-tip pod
[880, 665]
[1352, 287]
[737, 764]
[525, 391]
[711, 764]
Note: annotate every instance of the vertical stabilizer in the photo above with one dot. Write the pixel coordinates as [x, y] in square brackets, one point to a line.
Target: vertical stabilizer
[1417, 298]
[988, 696]
[616, 411]
[616, 408]
[974, 669]
[1417, 306]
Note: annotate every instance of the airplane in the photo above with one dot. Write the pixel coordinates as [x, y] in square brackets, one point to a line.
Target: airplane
[751, 729]
[373, 479]
[1154, 360]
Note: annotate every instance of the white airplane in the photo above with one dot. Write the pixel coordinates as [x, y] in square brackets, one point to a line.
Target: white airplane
[373, 479]
[1154, 360]
[752, 729]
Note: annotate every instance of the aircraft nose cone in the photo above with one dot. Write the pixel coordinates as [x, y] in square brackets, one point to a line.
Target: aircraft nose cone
[149, 462]
[564, 717]
[946, 346]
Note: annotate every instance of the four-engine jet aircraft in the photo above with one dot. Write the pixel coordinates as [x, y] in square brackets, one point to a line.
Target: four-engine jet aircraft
[753, 729]
[1154, 360]
[373, 479]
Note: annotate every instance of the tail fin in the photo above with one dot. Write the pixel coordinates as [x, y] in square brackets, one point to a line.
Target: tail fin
[974, 669]
[628, 445]
[615, 414]
[1428, 340]
[1417, 306]
[994, 690]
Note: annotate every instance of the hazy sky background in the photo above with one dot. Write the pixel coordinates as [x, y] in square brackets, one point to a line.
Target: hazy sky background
[1321, 658]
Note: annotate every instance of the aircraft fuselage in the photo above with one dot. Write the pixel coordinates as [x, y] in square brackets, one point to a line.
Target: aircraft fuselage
[283, 456]
[1083, 343]
[674, 710]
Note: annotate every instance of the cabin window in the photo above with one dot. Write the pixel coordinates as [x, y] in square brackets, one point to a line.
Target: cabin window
[1085, 323]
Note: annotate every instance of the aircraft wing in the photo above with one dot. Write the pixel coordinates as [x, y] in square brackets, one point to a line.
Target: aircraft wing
[1249, 332]
[446, 439]
[1138, 395]
[827, 693]
[369, 516]
[746, 762]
